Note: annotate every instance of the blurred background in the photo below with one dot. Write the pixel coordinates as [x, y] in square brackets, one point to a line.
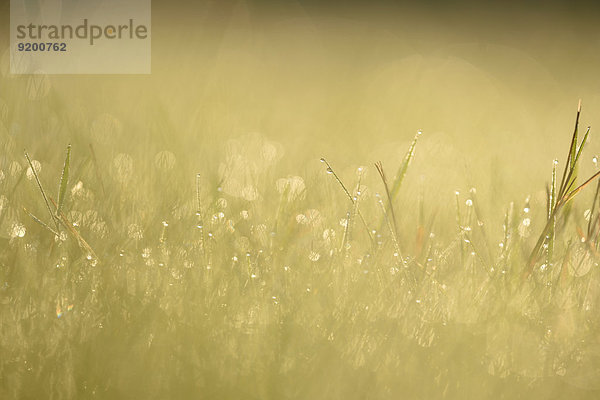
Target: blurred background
[493, 86]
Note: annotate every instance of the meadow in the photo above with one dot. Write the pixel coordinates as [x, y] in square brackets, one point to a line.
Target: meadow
[260, 219]
[241, 272]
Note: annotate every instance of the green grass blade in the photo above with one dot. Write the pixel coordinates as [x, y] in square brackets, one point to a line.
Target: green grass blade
[573, 151]
[64, 180]
[582, 145]
[569, 165]
[574, 171]
[404, 167]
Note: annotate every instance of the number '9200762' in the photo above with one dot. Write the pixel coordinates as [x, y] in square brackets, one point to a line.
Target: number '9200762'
[49, 46]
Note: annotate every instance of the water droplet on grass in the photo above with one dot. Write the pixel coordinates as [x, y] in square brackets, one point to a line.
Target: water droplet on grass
[18, 230]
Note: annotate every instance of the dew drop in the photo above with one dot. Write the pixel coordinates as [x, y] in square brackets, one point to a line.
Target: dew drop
[18, 230]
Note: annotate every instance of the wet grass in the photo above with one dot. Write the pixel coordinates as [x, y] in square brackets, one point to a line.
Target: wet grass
[238, 282]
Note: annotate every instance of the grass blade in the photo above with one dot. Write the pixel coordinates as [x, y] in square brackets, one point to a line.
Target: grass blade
[565, 194]
[91, 254]
[337, 178]
[569, 165]
[390, 227]
[37, 180]
[583, 142]
[379, 167]
[39, 221]
[592, 212]
[404, 167]
[64, 179]
[97, 169]
[552, 216]
[574, 192]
